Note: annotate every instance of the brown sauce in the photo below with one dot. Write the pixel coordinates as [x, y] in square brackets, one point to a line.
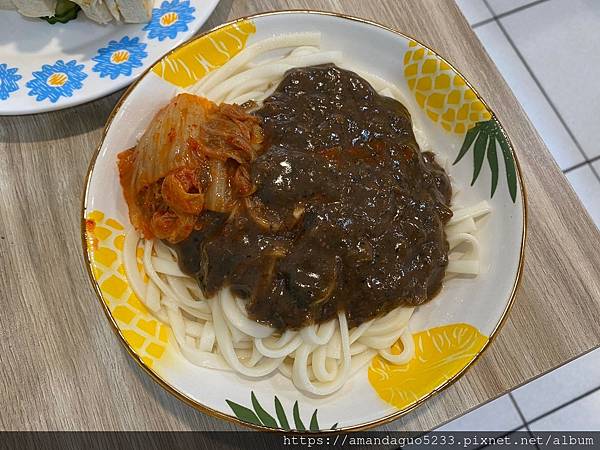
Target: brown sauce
[348, 214]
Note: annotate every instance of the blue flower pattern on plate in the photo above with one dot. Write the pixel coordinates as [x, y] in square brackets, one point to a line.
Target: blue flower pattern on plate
[8, 81]
[57, 80]
[119, 58]
[171, 18]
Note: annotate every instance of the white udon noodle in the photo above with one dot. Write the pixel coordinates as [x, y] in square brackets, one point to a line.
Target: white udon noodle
[217, 333]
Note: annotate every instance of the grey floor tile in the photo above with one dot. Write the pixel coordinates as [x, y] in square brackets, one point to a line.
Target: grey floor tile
[474, 10]
[582, 415]
[596, 167]
[560, 41]
[587, 186]
[503, 6]
[559, 386]
[529, 95]
[498, 415]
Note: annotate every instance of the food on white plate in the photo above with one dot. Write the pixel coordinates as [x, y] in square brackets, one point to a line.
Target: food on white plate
[290, 217]
[100, 11]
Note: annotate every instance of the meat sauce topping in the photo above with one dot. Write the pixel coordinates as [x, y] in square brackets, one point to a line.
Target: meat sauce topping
[347, 214]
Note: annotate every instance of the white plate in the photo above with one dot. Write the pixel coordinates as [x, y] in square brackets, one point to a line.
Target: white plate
[45, 67]
[450, 332]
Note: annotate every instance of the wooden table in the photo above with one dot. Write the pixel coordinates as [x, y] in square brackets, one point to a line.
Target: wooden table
[62, 367]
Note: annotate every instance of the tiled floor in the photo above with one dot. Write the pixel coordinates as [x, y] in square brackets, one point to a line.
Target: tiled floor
[547, 50]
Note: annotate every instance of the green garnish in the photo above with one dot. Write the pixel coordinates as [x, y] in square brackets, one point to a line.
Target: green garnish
[65, 11]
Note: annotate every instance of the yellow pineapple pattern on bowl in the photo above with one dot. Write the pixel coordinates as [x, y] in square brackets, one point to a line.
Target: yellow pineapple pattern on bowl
[441, 92]
[105, 237]
[440, 354]
[188, 64]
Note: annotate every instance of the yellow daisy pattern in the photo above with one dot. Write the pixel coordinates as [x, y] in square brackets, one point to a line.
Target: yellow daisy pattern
[441, 92]
[440, 354]
[190, 63]
[146, 335]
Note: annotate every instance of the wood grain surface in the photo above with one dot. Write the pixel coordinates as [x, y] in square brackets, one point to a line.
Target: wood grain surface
[61, 366]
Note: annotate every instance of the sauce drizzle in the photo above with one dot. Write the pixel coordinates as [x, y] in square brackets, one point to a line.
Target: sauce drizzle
[347, 213]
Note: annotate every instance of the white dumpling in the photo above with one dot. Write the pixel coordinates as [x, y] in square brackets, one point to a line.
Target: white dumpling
[35, 8]
[135, 11]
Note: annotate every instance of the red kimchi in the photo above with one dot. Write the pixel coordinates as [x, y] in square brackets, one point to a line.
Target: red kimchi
[194, 156]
